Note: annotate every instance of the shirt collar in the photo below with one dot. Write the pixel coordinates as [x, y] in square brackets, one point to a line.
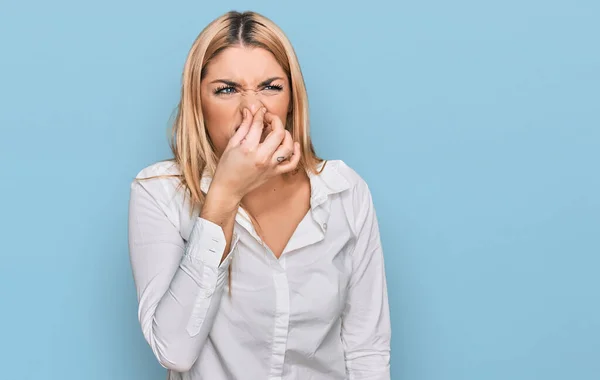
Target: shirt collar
[205, 181]
[328, 182]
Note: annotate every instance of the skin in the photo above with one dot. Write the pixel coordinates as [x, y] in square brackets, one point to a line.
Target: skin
[245, 98]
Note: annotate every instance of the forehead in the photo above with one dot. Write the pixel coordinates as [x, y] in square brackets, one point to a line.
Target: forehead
[244, 64]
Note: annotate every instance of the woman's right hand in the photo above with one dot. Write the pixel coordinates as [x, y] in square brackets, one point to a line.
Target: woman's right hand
[246, 163]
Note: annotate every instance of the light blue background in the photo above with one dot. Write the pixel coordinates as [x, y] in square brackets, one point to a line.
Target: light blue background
[475, 123]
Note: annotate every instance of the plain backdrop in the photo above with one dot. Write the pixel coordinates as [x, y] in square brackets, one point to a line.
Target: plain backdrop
[475, 123]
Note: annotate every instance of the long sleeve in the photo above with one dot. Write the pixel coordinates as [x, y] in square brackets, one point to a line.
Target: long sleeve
[179, 286]
[366, 330]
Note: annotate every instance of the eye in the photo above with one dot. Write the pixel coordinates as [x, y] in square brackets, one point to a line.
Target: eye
[225, 90]
[274, 87]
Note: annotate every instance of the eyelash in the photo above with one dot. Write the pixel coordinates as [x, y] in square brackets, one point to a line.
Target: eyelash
[218, 90]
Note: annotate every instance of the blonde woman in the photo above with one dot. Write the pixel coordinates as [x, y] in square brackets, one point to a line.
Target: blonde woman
[252, 257]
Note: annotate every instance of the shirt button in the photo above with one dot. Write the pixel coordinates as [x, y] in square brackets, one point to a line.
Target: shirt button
[324, 226]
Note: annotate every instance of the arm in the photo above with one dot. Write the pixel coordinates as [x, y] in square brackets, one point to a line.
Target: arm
[366, 331]
[179, 286]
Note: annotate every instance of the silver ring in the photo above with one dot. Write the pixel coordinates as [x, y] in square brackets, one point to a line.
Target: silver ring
[280, 159]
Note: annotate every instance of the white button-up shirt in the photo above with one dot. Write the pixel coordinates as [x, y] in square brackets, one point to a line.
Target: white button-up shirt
[320, 311]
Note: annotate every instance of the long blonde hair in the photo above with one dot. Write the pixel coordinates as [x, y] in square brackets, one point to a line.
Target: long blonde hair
[190, 143]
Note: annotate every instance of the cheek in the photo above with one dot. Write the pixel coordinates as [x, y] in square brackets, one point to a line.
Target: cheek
[219, 116]
[277, 105]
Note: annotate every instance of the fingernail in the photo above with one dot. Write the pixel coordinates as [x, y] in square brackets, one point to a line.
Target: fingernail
[264, 109]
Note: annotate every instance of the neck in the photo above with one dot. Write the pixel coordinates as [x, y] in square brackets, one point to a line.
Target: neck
[272, 192]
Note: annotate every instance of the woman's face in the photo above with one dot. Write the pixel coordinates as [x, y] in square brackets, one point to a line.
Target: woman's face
[238, 78]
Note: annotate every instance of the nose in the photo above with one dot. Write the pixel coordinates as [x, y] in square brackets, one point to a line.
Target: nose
[251, 101]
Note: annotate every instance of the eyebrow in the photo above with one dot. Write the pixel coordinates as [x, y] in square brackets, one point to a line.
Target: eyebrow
[231, 83]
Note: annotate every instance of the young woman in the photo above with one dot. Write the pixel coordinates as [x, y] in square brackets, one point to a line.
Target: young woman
[252, 257]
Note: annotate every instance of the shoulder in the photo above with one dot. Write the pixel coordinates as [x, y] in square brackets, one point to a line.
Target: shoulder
[352, 189]
[159, 183]
[160, 168]
[337, 173]
[160, 174]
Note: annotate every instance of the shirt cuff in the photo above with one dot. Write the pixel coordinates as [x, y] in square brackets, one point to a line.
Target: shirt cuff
[205, 249]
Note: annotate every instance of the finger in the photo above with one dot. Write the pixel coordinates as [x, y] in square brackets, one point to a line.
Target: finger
[242, 130]
[288, 166]
[284, 151]
[276, 137]
[256, 128]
